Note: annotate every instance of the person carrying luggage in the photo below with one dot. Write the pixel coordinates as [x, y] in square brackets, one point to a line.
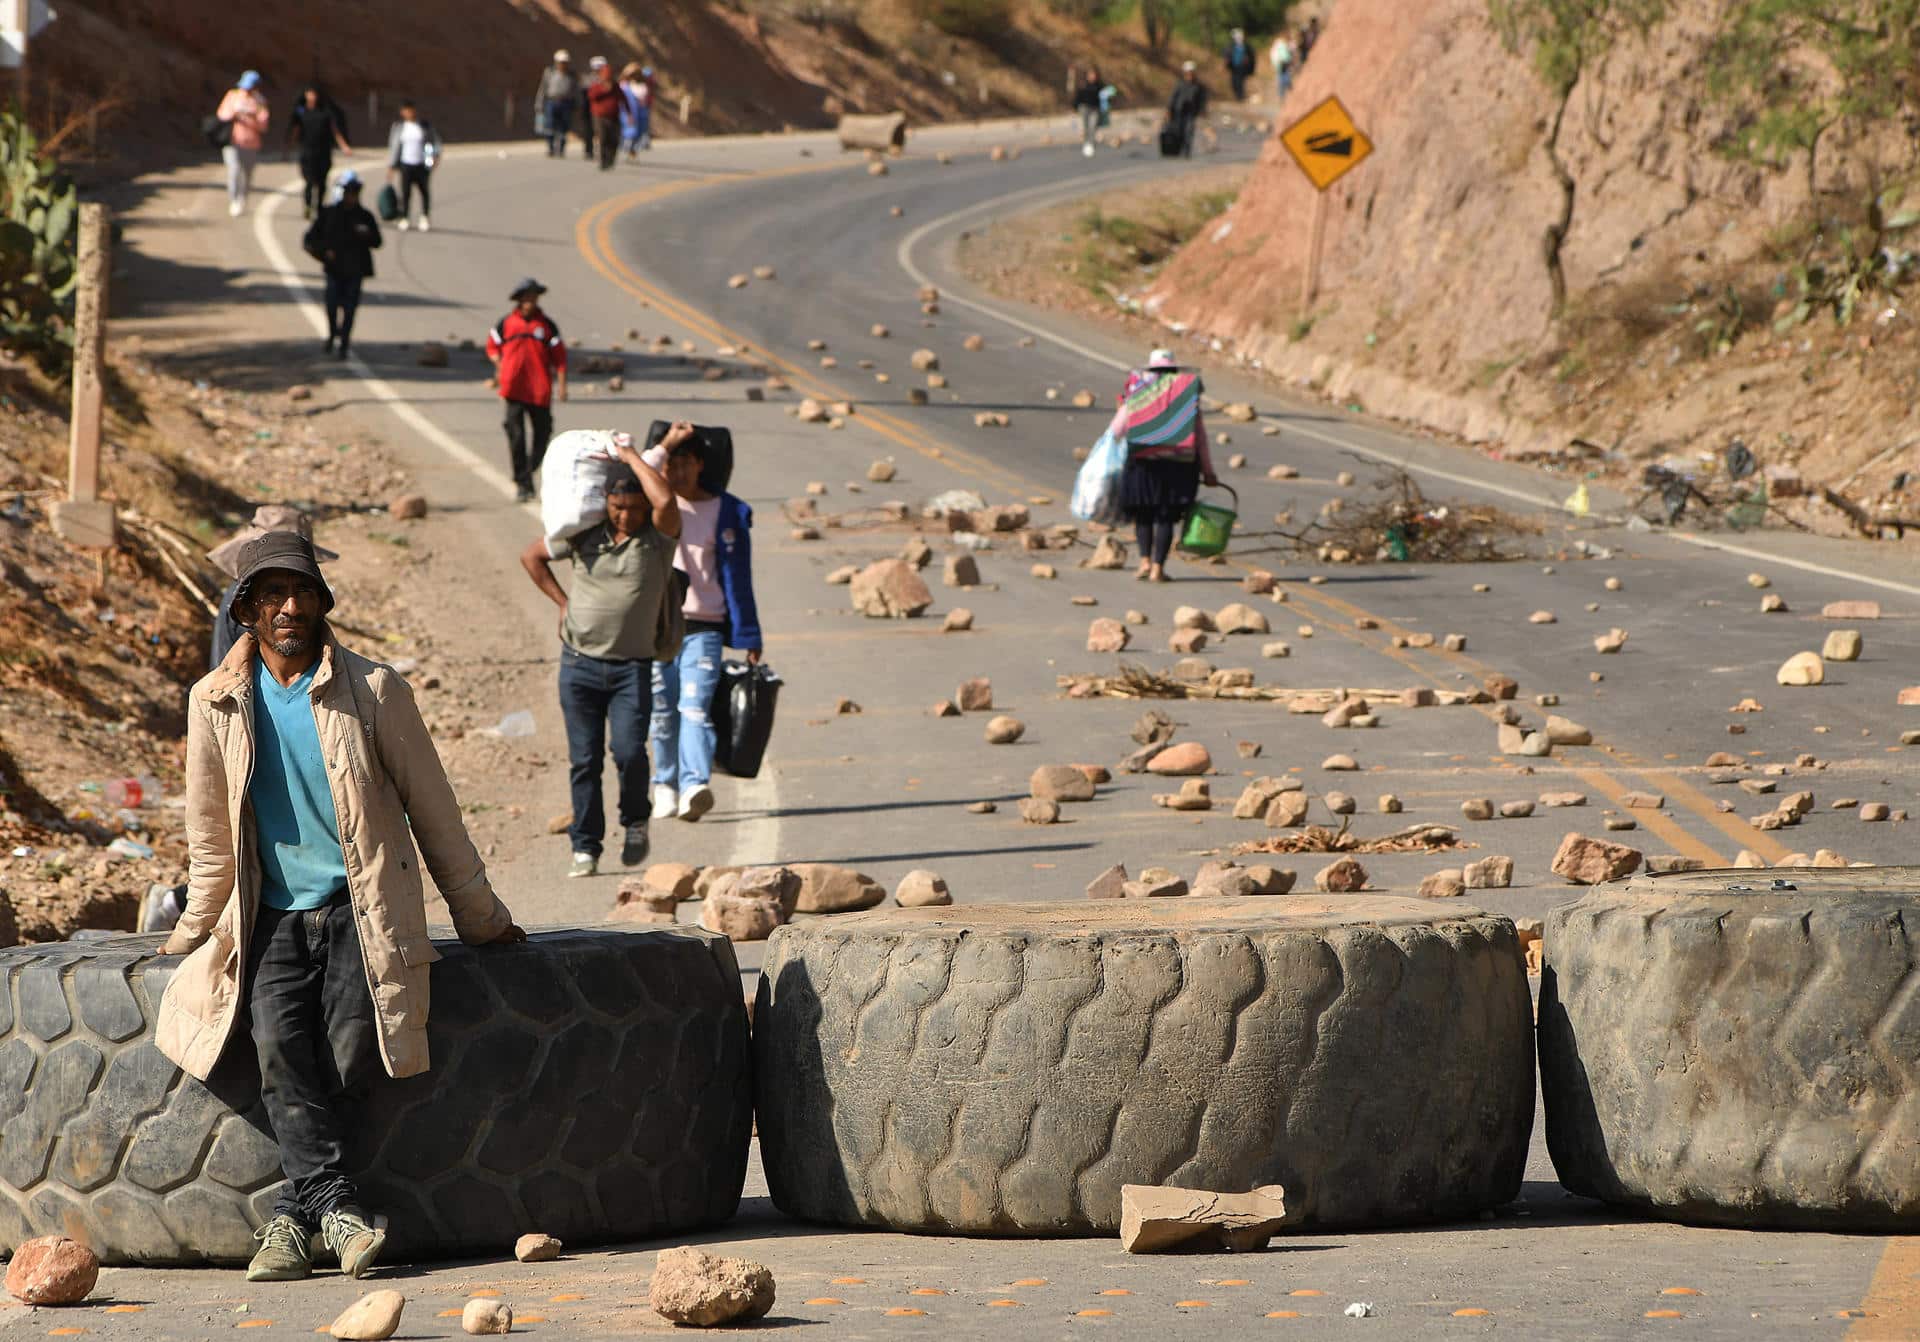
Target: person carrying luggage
[530, 368]
[1167, 456]
[603, 105]
[342, 238]
[413, 151]
[559, 89]
[1184, 109]
[716, 554]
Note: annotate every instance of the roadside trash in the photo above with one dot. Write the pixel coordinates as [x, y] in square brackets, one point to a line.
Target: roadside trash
[1578, 503]
[518, 723]
[160, 908]
[24, 850]
[1360, 1309]
[134, 792]
[954, 501]
[124, 847]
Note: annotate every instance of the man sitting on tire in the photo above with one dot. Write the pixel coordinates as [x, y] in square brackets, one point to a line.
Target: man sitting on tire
[310, 776]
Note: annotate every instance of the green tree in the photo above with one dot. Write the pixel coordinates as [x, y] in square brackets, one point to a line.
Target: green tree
[39, 255]
[1791, 70]
[1565, 39]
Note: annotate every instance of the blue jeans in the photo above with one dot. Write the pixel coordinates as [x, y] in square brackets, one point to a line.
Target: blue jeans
[682, 733]
[1285, 80]
[597, 695]
[559, 121]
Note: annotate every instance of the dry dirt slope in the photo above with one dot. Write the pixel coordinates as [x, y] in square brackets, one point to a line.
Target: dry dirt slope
[1434, 302]
[755, 66]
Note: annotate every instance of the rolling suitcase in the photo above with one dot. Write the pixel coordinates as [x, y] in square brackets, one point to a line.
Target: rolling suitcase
[719, 445]
[1171, 141]
[742, 713]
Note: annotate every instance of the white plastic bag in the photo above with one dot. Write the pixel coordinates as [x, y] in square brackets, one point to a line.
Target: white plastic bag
[573, 480]
[1096, 490]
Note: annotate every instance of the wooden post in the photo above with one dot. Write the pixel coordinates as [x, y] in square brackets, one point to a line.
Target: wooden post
[1310, 278]
[83, 519]
[509, 117]
[686, 107]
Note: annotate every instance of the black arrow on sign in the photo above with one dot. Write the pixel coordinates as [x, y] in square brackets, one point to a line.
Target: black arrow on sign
[1331, 142]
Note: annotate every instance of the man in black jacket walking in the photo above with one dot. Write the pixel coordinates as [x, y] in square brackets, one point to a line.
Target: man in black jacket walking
[342, 239]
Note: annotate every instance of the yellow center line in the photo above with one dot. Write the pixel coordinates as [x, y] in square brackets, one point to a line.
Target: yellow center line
[1729, 823]
[1893, 1296]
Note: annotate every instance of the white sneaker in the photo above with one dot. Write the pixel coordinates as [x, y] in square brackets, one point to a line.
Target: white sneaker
[664, 802]
[235, 208]
[1087, 149]
[426, 224]
[695, 802]
[405, 224]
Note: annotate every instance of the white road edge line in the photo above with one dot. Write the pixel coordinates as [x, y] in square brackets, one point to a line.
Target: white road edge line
[905, 256]
[756, 839]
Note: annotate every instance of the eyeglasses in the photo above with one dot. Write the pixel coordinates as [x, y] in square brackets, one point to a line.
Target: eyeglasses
[277, 592]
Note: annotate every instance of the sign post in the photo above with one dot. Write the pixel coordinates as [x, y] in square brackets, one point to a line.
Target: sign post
[1327, 146]
[83, 518]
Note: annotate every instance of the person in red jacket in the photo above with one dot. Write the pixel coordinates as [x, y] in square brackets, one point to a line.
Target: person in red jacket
[530, 368]
[603, 105]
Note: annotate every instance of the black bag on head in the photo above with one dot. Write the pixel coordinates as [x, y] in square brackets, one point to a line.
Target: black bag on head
[742, 713]
[718, 444]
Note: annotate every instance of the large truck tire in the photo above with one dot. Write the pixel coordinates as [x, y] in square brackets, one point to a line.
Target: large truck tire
[1739, 1048]
[1004, 1069]
[594, 1085]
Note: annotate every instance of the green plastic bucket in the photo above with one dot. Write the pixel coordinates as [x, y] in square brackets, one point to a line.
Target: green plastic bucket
[1209, 527]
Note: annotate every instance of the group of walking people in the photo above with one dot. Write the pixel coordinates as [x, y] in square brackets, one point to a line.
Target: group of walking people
[609, 113]
[1285, 57]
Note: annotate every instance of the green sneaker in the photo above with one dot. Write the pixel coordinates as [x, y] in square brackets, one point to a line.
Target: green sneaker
[283, 1254]
[351, 1239]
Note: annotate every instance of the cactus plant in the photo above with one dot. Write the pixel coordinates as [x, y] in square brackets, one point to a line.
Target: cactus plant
[39, 211]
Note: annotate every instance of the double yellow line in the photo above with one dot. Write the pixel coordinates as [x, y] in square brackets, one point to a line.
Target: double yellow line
[593, 235]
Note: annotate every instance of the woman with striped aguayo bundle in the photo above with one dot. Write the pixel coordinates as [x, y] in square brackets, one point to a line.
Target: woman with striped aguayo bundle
[1167, 456]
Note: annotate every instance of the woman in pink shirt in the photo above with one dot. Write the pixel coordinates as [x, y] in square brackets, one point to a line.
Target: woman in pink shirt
[246, 115]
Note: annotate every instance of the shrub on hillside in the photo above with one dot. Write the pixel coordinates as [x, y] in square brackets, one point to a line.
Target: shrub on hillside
[967, 18]
[39, 209]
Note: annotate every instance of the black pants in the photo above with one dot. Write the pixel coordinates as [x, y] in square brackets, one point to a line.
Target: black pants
[314, 170]
[313, 1028]
[414, 176]
[1155, 539]
[606, 134]
[528, 428]
[343, 300]
[1239, 81]
[1183, 127]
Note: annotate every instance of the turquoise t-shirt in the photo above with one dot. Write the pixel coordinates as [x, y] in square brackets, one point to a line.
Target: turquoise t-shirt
[301, 865]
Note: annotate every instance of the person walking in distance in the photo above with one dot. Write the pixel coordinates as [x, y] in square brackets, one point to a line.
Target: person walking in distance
[559, 90]
[1240, 64]
[1167, 456]
[530, 368]
[1280, 56]
[583, 108]
[310, 780]
[1187, 105]
[342, 238]
[1086, 104]
[716, 555]
[618, 615]
[603, 105]
[246, 116]
[1309, 38]
[413, 151]
[636, 108]
[317, 127]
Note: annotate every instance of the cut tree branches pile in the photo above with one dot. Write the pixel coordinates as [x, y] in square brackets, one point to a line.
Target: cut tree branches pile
[1319, 839]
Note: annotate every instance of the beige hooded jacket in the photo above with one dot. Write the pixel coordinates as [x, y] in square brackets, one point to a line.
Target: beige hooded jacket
[389, 790]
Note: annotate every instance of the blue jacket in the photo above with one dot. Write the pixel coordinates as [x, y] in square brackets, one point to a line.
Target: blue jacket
[734, 544]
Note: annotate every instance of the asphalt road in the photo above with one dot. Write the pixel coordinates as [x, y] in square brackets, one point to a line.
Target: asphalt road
[650, 249]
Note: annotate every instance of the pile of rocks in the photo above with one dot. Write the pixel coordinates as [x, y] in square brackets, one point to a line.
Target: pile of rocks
[747, 903]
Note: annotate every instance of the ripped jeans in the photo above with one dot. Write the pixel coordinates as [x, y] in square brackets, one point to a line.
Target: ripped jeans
[682, 730]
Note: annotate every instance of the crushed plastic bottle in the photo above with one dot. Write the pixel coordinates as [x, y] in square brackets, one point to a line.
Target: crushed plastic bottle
[518, 723]
[125, 847]
[134, 792]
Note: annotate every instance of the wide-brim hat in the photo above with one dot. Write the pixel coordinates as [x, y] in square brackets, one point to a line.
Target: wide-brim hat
[267, 517]
[529, 285]
[1162, 358]
[282, 550]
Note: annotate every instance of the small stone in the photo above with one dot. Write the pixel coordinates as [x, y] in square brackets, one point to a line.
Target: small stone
[1083, 400]
[981, 807]
[1563, 799]
[1773, 604]
[1643, 801]
[1516, 810]
[1109, 884]
[1182, 759]
[946, 708]
[1039, 811]
[1043, 571]
[1249, 750]
[1155, 883]
[484, 1318]
[1477, 808]
[958, 620]
[1454, 642]
[975, 695]
[840, 577]
[1613, 584]
[537, 1248]
[1803, 668]
[1282, 472]
[695, 1287]
[1004, 731]
[1061, 782]
[1187, 640]
[1618, 823]
[408, 507]
[1339, 764]
[882, 470]
[736, 281]
[845, 707]
[1586, 861]
[1875, 810]
[1611, 641]
[1721, 759]
[1154, 1219]
[1389, 804]
[1543, 617]
[1341, 877]
[1286, 810]
[1842, 645]
[374, 1317]
[1105, 635]
[432, 355]
[920, 889]
[1850, 610]
[962, 571]
[1239, 618]
[1136, 617]
[973, 344]
[1489, 873]
[1499, 686]
[1274, 650]
[1443, 885]
[1757, 787]
[1340, 803]
[56, 1270]
[1759, 580]
[1746, 857]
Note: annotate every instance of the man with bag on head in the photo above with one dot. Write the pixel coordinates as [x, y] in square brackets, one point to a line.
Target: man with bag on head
[310, 779]
[622, 613]
[530, 367]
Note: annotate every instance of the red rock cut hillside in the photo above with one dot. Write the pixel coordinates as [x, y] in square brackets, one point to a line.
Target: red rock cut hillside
[1434, 301]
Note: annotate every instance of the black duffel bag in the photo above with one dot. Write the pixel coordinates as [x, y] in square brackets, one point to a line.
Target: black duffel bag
[742, 713]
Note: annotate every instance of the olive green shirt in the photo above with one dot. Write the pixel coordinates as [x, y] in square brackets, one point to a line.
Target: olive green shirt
[613, 602]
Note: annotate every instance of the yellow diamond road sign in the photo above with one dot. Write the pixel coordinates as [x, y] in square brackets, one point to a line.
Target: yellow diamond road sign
[1325, 143]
